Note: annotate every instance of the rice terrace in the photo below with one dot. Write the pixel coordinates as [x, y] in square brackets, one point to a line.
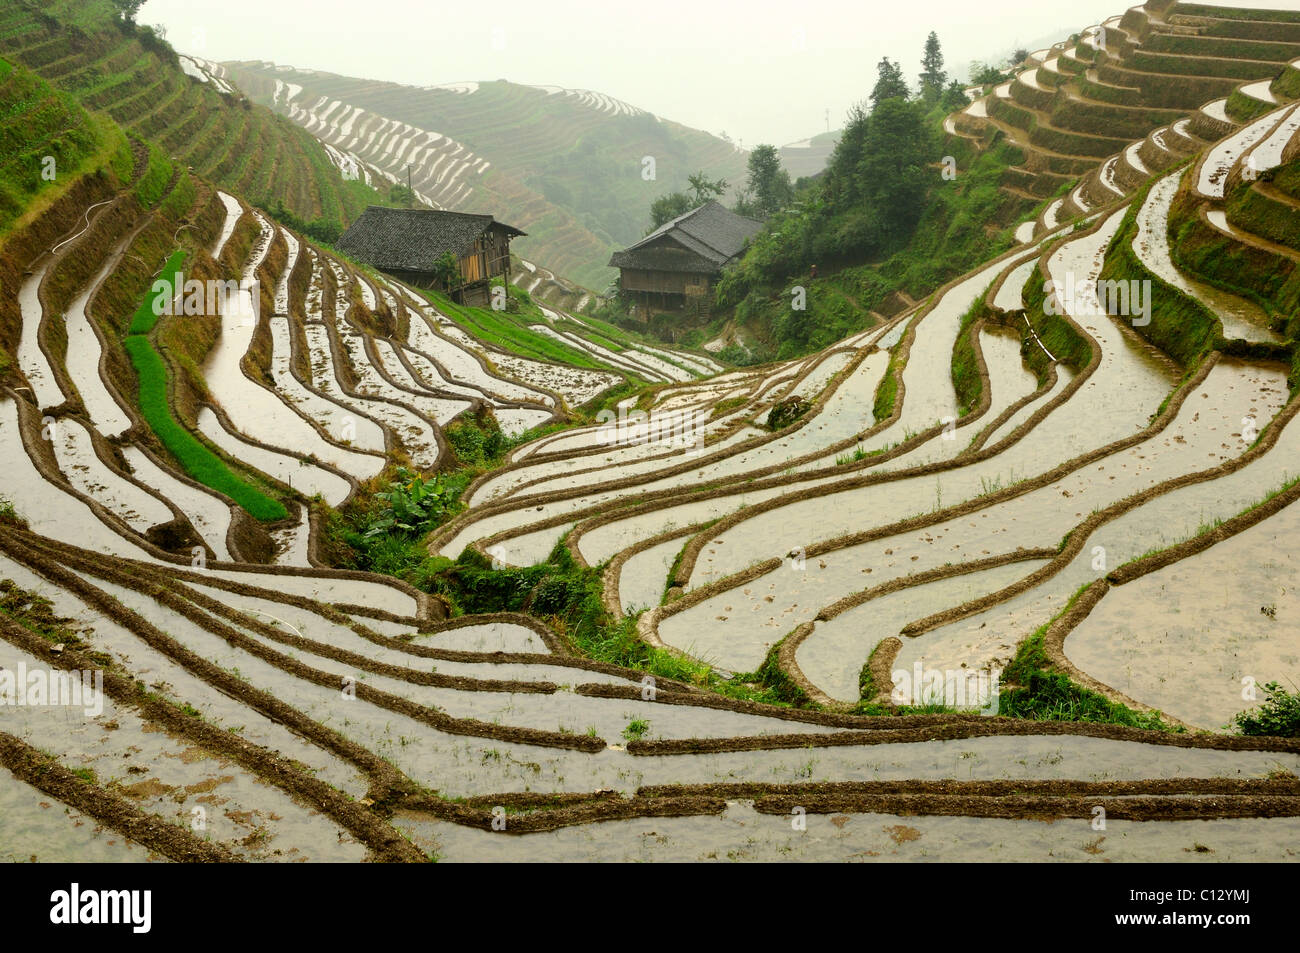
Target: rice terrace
[405, 468]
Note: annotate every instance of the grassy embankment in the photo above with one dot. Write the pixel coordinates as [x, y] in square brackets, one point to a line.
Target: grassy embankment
[193, 455]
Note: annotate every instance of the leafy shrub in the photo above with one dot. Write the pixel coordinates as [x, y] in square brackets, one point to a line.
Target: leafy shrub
[320, 230]
[476, 445]
[787, 412]
[446, 271]
[741, 356]
[413, 506]
[1279, 716]
[555, 594]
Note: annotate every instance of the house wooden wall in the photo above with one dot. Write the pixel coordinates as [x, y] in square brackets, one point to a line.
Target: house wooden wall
[473, 266]
[664, 282]
[497, 248]
[489, 256]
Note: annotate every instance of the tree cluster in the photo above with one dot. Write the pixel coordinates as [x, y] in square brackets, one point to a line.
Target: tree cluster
[702, 189]
[872, 195]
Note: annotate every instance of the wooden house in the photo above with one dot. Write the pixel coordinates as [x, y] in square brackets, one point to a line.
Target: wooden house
[674, 268]
[407, 243]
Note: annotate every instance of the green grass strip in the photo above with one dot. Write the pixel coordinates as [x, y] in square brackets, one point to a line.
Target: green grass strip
[194, 456]
[1044, 694]
[197, 460]
[157, 176]
[966, 380]
[144, 319]
[507, 331]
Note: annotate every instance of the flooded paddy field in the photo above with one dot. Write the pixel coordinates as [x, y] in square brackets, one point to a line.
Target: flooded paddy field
[386, 575]
[741, 834]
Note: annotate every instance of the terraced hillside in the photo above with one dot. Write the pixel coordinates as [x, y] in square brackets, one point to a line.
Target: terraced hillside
[363, 575]
[565, 165]
[808, 156]
[1097, 115]
[80, 47]
[187, 106]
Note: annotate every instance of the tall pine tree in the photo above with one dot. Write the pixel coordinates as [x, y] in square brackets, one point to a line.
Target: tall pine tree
[933, 77]
[889, 83]
[769, 189]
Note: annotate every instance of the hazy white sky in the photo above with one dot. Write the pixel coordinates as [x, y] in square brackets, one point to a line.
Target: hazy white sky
[759, 70]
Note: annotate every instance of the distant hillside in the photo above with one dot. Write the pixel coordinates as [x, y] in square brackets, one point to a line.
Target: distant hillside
[129, 75]
[809, 156]
[565, 165]
[192, 109]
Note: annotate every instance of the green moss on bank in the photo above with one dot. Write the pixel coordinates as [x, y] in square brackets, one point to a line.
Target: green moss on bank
[1039, 693]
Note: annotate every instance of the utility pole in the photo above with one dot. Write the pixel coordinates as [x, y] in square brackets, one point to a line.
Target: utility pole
[410, 198]
[828, 120]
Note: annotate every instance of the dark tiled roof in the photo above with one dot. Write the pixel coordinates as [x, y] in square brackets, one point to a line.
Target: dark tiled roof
[663, 257]
[412, 239]
[711, 235]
